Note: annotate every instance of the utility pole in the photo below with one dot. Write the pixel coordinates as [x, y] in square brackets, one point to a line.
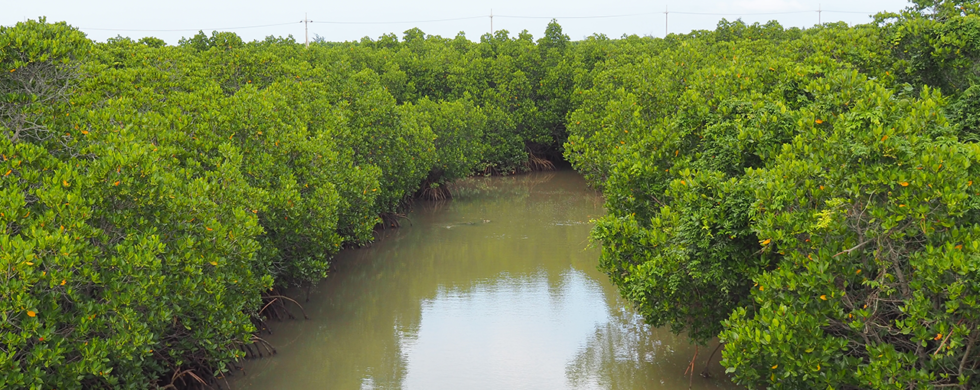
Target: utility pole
[819, 13]
[491, 21]
[666, 22]
[306, 25]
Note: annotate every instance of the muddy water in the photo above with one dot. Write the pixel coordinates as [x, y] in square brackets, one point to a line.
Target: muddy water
[493, 290]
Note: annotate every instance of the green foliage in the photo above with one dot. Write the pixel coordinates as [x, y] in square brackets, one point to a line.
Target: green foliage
[523, 88]
[669, 156]
[36, 42]
[788, 192]
[875, 212]
[37, 71]
[940, 53]
[458, 128]
[965, 114]
[943, 9]
[219, 40]
[806, 195]
[152, 193]
[384, 134]
[100, 254]
[152, 42]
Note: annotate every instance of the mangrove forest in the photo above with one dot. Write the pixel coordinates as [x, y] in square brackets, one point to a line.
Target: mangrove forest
[802, 198]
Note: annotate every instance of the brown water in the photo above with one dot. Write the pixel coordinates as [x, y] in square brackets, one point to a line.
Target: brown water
[492, 290]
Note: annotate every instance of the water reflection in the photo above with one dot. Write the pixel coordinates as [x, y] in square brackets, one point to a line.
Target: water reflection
[493, 290]
[502, 334]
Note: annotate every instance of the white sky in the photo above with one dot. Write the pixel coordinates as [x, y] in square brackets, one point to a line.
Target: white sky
[387, 16]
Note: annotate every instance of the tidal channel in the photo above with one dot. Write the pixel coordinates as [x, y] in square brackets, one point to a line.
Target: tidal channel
[495, 289]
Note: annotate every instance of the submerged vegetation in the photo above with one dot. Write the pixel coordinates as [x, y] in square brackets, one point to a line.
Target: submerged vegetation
[805, 195]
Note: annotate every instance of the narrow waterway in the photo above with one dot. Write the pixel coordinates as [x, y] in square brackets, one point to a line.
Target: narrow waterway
[495, 289]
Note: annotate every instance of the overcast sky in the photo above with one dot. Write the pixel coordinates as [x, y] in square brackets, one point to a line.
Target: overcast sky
[173, 19]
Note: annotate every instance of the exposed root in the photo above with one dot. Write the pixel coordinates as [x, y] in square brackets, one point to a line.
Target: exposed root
[274, 297]
[259, 342]
[180, 375]
[690, 368]
[275, 308]
[274, 300]
[393, 220]
[258, 348]
[490, 170]
[260, 324]
[704, 372]
[434, 191]
[535, 163]
[197, 378]
[245, 350]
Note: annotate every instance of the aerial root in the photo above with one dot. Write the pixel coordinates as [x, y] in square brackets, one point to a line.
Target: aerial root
[290, 300]
[536, 163]
[178, 374]
[392, 220]
[258, 341]
[267, 305]
[438, 193]
[275, 307]
[704, 372]
[261, 324]
[690, 367]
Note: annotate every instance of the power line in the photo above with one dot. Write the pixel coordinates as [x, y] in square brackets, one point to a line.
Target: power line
[407, 21]
[186, 29]
[576, 17]
[741, 13]
[491, 16]
[679, 12]
[765, 13]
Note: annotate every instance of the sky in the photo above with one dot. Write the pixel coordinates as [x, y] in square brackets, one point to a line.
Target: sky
[351, 20]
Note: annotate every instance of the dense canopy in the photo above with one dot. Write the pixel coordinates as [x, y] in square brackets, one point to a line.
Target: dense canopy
[806, 196]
